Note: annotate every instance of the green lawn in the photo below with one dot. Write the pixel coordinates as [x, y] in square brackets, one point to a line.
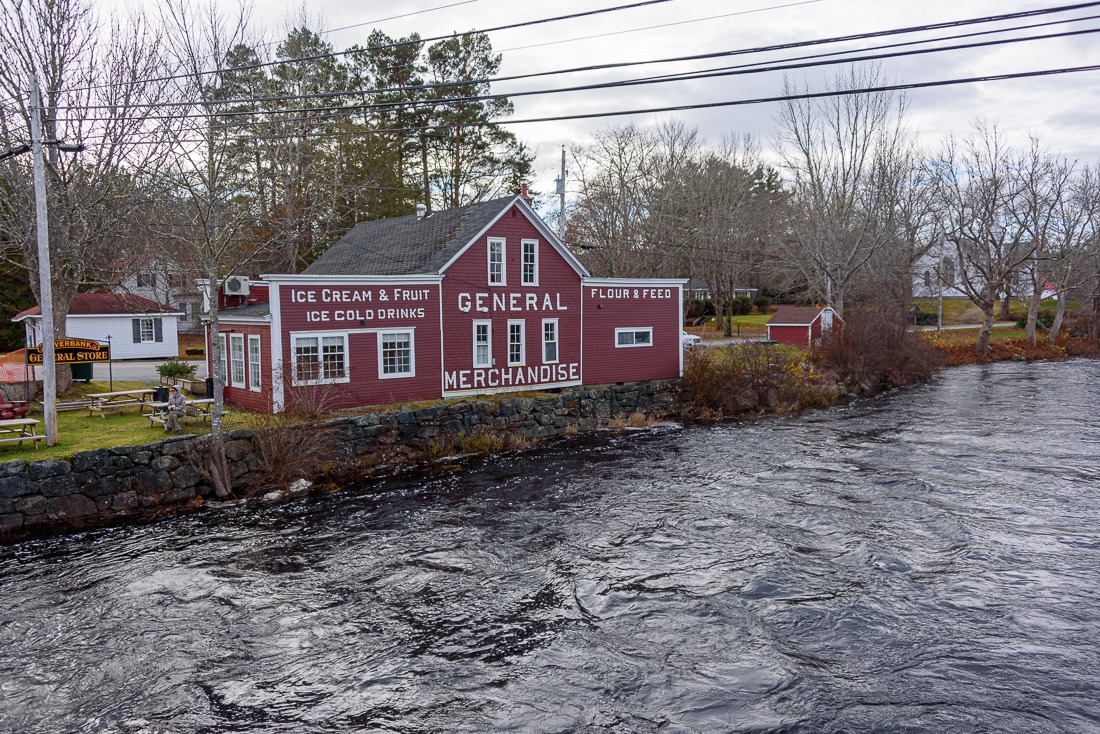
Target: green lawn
[963, 311]
[77, 431]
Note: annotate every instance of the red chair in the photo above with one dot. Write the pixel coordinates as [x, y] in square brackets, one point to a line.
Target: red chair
[8, 411]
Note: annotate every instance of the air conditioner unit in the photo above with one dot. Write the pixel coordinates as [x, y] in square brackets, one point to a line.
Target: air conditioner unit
[235, 285]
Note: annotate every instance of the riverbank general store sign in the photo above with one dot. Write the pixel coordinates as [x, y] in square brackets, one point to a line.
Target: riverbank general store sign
[72, 351]
[465, 301]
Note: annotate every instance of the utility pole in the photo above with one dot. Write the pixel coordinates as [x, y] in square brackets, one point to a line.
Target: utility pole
[561, 197]
[939, 283]
[45, 281]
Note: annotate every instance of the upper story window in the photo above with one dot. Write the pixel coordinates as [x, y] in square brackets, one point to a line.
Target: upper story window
[530, 262]
[496, 261]
[146, 278]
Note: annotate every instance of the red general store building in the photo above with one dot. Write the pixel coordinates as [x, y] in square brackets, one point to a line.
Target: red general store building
[466, 301]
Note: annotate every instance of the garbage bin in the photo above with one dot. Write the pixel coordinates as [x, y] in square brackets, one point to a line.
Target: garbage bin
[82, 372]
[209, 387]
[161, 394]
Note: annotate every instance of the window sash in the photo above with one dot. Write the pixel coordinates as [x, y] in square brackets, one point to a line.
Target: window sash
[255, 372]
[496, 262]
[395, 354]
[236, 359]
[148, 331]
[320, 358]
[550, 341]
[530, 262]
[483, 344]
[220, 366]
[516, 346]
[634, 337]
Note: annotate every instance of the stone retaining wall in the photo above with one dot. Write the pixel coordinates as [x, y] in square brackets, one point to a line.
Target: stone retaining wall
[137, 483]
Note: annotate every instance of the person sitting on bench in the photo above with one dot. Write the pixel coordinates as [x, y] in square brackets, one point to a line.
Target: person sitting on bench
[176, 407]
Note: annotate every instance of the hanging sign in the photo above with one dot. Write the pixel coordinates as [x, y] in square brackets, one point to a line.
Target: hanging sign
[73, 351]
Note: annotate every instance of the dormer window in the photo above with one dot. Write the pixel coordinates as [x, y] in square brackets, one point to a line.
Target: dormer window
[529, 274]
[496, 261]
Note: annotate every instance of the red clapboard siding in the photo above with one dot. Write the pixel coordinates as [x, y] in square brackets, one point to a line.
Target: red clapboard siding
[795, 336]
[468, 297]
[358, 310]
[631, 304]
[246, 397]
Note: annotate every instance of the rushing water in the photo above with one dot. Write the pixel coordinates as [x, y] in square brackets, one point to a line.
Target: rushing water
[927, 561]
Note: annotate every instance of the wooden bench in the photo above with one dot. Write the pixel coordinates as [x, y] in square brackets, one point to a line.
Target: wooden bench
[118, 401]
[19, 430]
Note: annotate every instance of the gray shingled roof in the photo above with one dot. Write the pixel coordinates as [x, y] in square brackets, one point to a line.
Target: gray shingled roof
[407, 245]
[251, 311]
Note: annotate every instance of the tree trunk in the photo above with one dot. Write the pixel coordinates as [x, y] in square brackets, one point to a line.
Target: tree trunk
[1033, 308]
[987, 328]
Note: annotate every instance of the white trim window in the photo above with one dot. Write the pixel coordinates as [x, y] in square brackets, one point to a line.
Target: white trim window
[496, 261]
[224, 358]
[638, 336]
[549, 341]
[320, 358]
[236, 360]
[529, 262]
[517, 347]
[396, 356]
[148, 331]
[483, 344]
[255, 369]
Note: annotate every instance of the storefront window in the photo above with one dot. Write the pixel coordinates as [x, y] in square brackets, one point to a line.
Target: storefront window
[395, 354]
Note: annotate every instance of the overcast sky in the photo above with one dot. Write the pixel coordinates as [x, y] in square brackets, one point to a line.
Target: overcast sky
[1060, 109]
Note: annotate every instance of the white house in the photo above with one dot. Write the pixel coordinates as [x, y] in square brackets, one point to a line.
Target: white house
[136, 327]
[160, 281]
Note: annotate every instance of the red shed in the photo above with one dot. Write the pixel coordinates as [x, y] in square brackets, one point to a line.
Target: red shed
[800, 326]
[465, 301]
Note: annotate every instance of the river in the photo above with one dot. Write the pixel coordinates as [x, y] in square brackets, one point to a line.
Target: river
[924, 561]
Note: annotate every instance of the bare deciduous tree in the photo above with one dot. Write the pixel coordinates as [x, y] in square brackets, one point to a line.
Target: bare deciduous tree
[94, 92]
[846, 156]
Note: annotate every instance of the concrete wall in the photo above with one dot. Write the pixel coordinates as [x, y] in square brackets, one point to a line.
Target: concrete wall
[139, 483]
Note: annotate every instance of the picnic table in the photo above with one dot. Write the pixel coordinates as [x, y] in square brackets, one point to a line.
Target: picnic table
[202, 406]
[18, 430]
[118, 400]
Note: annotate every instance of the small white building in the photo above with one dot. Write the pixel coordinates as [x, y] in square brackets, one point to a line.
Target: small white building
[137, 328]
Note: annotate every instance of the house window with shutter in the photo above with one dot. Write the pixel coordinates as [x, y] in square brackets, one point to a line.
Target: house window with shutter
[147, 330]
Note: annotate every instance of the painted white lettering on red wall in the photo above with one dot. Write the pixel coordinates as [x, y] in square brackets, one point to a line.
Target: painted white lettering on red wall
[385, 303]
[632, 293]
[496, 378]
[509, 302]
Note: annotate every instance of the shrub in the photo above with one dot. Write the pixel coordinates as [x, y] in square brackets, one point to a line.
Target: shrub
[175, 368]
[1044, 322]
[752, 379]
[761, 303]
[743, 305]
[873, 345]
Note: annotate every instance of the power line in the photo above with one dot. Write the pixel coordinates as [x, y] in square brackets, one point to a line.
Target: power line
[646, 62]
[704, 105]
[396, 44]
[330, 113]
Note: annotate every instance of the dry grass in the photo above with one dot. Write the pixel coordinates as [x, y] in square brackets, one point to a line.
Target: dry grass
[637, 419]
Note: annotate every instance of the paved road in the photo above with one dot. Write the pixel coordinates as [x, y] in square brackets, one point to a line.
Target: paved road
[138, 371]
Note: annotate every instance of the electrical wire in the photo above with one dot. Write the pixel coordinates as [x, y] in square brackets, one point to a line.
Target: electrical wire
[396, 44]
[645, 62]
[327, 113]
[696, 106]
